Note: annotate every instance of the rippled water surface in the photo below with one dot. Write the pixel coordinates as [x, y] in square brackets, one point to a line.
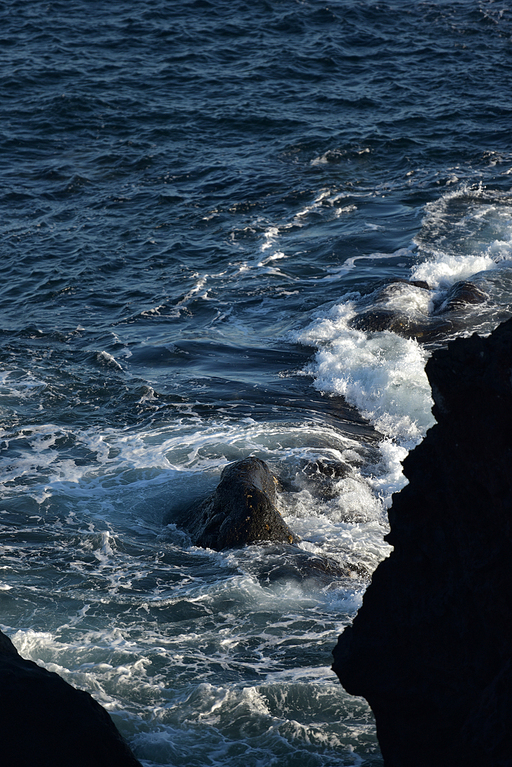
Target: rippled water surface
[230, 229]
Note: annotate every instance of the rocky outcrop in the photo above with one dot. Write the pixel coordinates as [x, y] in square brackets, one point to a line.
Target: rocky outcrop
[431, 646]
[242, 510]
[410, 309]
[45, 722]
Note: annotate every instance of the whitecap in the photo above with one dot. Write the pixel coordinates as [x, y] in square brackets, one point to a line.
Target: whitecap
[381, 374]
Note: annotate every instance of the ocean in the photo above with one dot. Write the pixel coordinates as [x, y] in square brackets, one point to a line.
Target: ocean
[230, 229]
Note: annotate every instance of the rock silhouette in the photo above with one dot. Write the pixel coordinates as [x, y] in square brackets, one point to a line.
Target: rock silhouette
[431, 646]
[45, 722]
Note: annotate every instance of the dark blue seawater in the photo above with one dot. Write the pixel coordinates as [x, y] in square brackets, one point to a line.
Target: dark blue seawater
[197, 199]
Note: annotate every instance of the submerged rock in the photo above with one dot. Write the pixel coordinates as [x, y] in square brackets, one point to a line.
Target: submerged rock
[279, 563]
[45, 722]
[407, 309]
[321, 477]
[431, 647]
[242, 510]
[461, 294]
[425, 329]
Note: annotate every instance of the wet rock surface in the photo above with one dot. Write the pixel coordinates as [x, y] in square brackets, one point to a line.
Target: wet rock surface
[431, 647]
[45, 722]
[463, 293]
[292, 564]
[409, 309]
[242, 510]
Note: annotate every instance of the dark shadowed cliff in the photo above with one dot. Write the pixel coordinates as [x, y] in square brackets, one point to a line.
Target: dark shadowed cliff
[431, 646]
[45, 722]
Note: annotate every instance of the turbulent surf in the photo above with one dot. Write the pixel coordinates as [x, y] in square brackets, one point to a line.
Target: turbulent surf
[231, 229]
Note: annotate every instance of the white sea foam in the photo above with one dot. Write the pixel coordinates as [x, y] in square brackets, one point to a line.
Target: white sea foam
[40, 465]
[185, 456]
[322, 196]
[381, 374]
[274, 257]
[465, 232]
[326, 199]
[233, 646]
[335, 156]
[108, 359]
[19, 384]
[407, 299]
[270, 237]
[443, 270]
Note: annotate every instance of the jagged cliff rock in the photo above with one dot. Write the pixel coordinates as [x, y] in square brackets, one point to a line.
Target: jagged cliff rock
[431, 646]
[45, 722]
[242, 510]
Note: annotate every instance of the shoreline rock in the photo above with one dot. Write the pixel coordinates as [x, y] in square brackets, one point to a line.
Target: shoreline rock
[242, 510]
[431, 323]
[431, 647]
[45, 722]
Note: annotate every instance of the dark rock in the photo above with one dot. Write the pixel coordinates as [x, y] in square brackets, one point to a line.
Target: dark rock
[294, 564]
[242, 510]
[460, 295]
[6, 646]
[45, 722]
[433, 324]
[431, 646]
[416, 283]
[377, 320]
[321, 477]
[387, 286]
[379, 311]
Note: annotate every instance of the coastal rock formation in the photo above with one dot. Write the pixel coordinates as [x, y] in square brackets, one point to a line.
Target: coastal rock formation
[431, 646]
[408, 309]
[45, 722]
[242, 510]
[460, 295]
